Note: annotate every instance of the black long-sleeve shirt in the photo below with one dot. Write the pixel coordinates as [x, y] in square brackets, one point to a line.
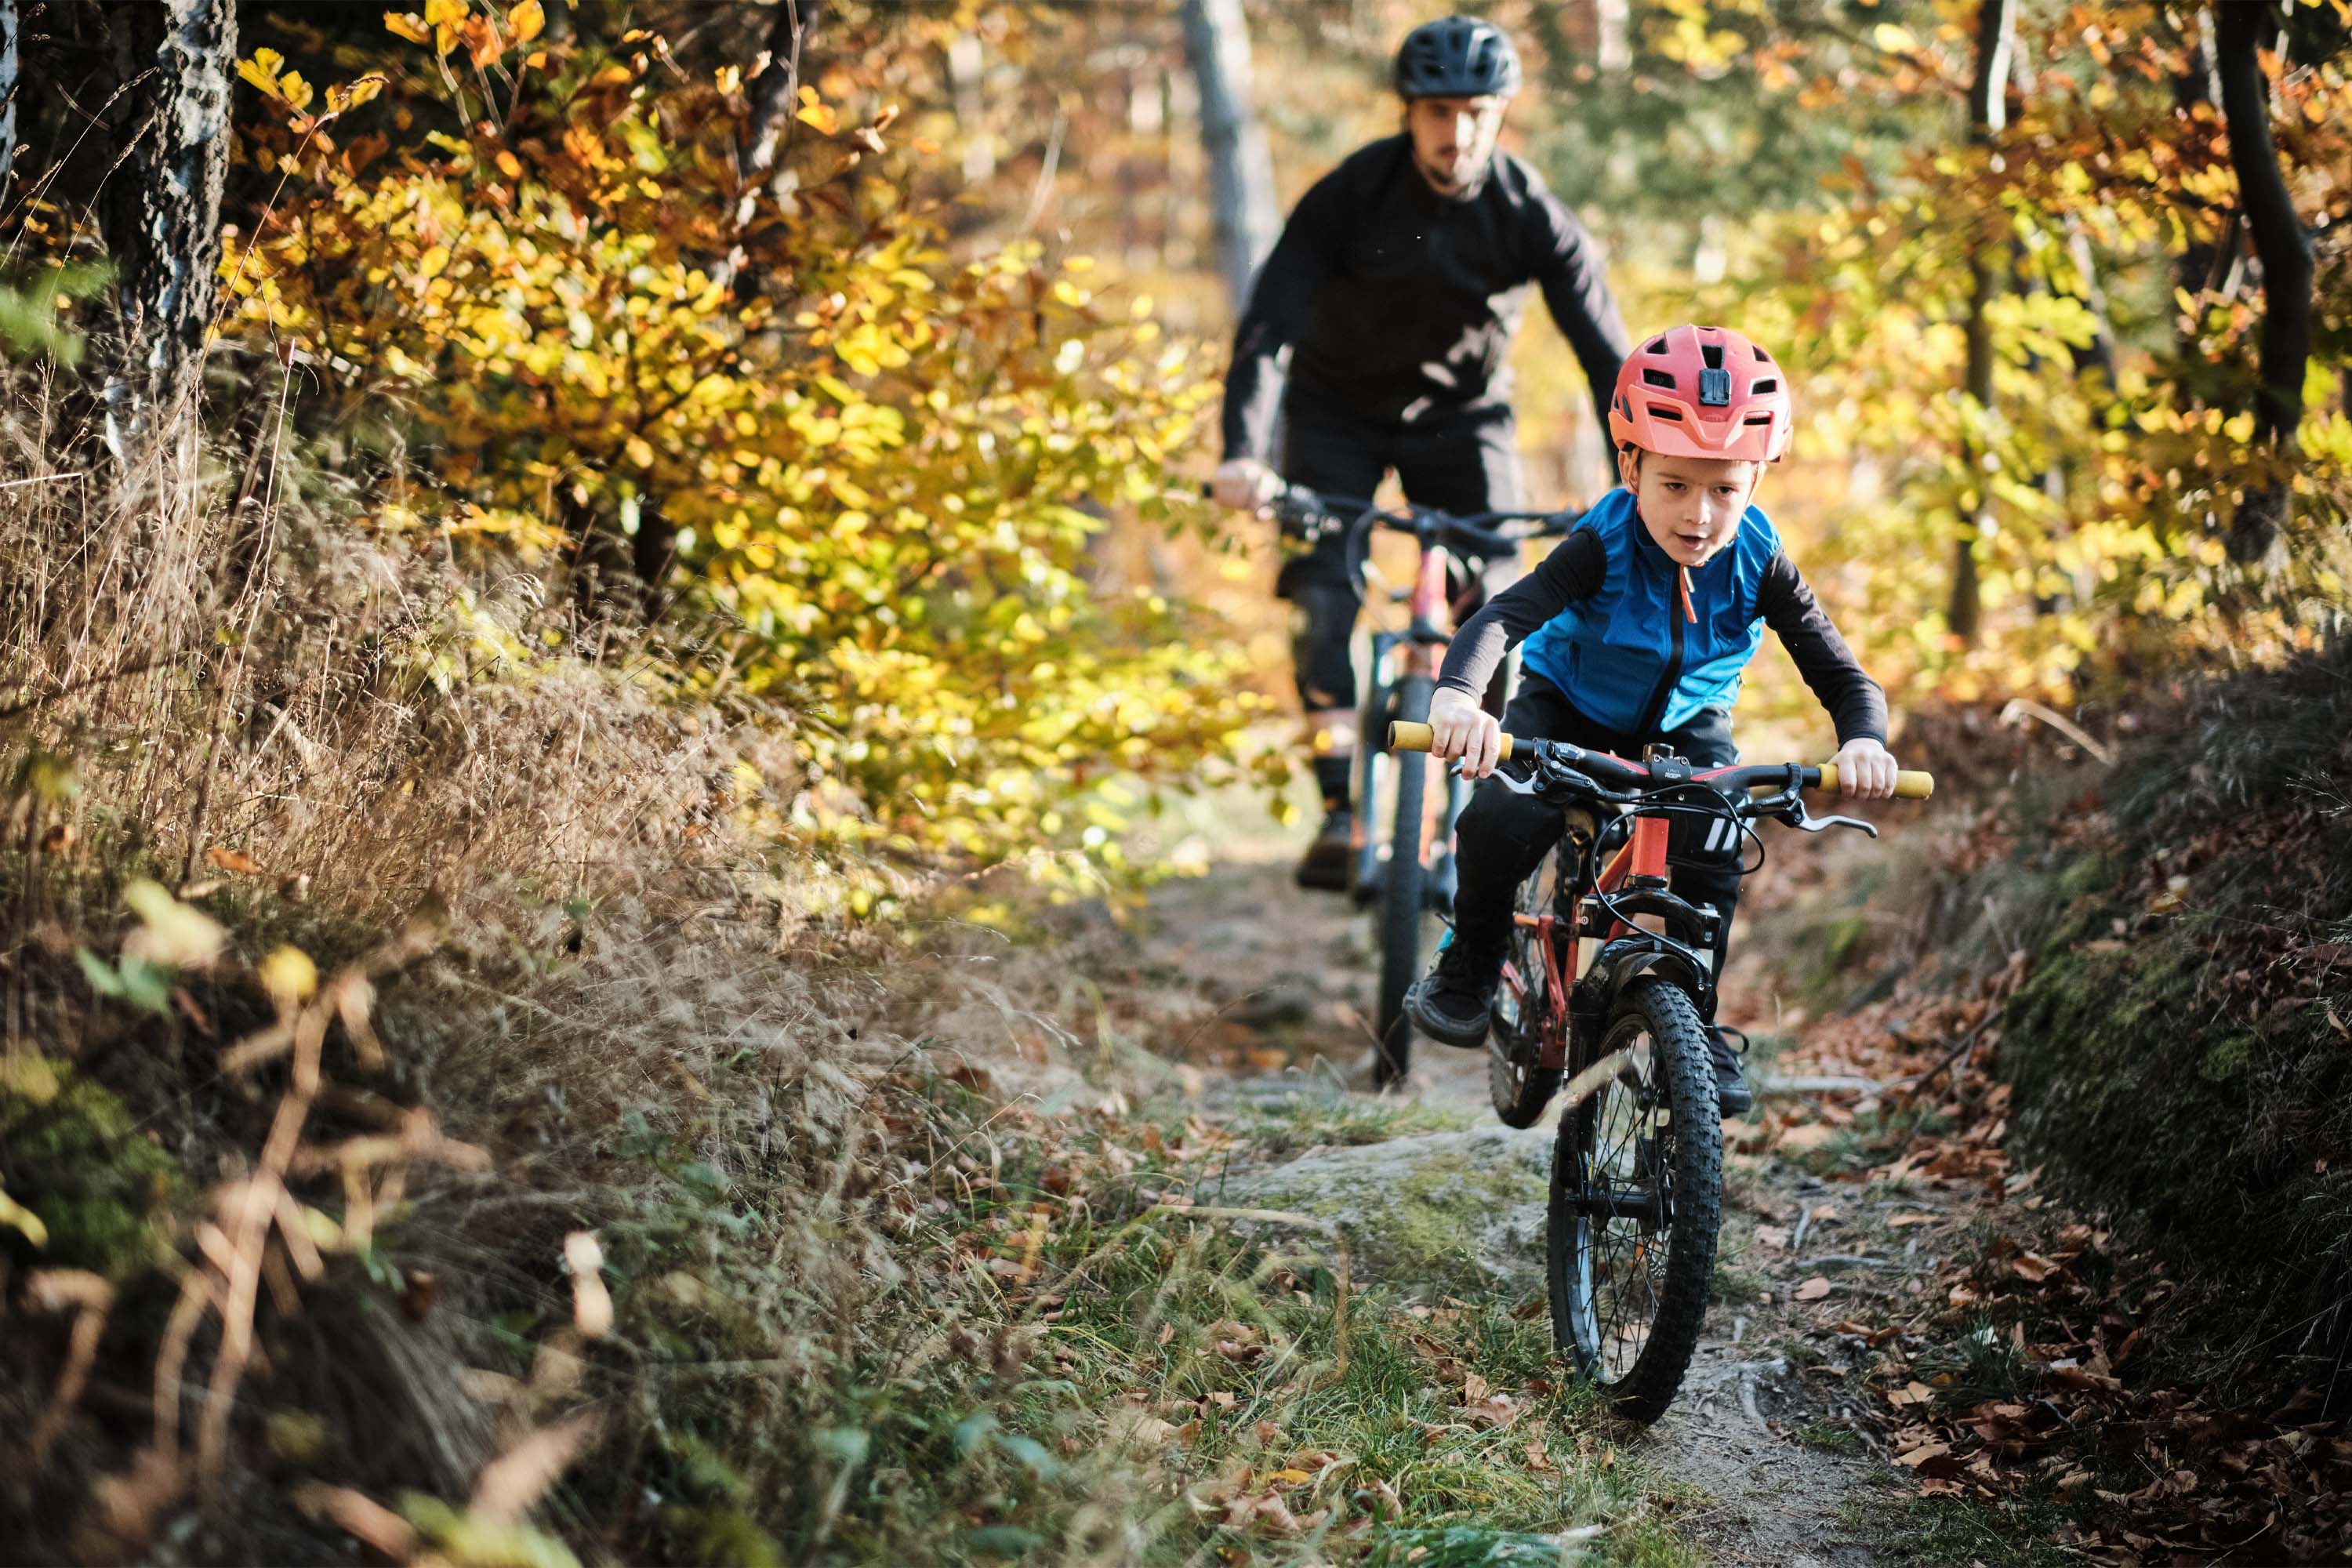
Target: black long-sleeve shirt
[1575, 571]
[1393, 300]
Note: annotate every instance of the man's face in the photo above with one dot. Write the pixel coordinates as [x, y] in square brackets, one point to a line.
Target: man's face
[1692, 506]
[1452, 138]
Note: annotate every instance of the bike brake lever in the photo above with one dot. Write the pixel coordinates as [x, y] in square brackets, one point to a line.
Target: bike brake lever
[1511, 782]
[1823, 824]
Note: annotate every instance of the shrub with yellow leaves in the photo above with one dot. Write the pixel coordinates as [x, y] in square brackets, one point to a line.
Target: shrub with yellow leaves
[887, 471]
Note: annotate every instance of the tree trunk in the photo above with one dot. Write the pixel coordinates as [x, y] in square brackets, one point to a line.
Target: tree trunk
[1988, 114]
[1241, 170]
[775, 100]
[2284, 250]
[9, 32]
[161, 215]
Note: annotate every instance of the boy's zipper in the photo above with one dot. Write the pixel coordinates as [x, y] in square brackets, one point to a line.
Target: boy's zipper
[1656, 708]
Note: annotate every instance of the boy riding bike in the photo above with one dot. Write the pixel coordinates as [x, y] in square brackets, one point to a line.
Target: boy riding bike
[1637, 629]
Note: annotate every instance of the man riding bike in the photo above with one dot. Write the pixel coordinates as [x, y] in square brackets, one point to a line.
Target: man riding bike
[1393, 297]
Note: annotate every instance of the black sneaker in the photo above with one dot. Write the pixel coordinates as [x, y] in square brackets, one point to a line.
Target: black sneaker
[1325, 864]
[1452, 1002]
[1730, 1084]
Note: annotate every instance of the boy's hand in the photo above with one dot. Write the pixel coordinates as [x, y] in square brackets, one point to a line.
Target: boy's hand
[1458, 726]
[1866, 769]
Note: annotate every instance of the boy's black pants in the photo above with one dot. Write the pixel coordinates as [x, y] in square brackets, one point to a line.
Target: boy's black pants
[1504, 836]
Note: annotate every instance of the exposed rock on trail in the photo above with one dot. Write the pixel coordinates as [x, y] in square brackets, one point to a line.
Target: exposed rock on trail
[1444, 1208]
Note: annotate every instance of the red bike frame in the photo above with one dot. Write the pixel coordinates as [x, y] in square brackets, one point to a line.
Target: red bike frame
[1644, 855]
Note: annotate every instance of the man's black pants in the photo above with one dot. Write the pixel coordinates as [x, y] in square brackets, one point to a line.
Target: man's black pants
[1503, 837]
[1462, 461]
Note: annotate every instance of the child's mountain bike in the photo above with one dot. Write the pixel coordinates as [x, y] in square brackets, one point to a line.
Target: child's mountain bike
[1407, 869]
[1592, 995]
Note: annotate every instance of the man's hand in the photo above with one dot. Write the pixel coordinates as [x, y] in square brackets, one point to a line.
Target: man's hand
[1866, 769]
[1243, 484]
[1458, 726]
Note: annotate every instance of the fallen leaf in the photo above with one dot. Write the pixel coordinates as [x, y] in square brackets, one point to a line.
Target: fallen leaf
[1897, 1222]
[1922, 1453]
[1774, 1235]
[230, 861]
[1813, 1289]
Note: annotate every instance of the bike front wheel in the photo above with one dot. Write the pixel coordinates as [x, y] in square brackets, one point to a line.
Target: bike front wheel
[1636, 1202]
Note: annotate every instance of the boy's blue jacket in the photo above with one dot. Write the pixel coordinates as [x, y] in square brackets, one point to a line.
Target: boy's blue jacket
[1627, 656]
[1602, 620]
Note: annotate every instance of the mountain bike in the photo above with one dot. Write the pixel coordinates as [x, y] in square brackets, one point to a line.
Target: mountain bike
[1406, 872]
[1592, 993]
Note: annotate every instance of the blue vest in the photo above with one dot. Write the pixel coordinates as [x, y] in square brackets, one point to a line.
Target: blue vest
[1626, 657]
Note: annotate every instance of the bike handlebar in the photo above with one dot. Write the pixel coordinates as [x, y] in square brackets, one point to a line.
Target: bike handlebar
[1405, 735]
[1303, 508]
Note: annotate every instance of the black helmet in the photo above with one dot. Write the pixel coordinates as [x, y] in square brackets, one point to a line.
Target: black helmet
[1457, 56]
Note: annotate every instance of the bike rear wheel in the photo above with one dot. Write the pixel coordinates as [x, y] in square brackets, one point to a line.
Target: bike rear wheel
[1516, 1082]
[1403, 893]
[1637, 1201]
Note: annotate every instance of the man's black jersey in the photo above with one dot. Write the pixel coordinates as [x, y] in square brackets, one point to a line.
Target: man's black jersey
[1395, 302]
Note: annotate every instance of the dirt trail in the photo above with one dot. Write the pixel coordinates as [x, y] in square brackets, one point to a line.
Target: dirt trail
[1271, 986]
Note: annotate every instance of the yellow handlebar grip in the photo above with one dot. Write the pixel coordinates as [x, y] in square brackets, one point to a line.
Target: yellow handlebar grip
[1404, 735]
[1909, 784]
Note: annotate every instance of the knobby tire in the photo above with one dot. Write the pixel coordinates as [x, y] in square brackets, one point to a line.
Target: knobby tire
[1589, 1314]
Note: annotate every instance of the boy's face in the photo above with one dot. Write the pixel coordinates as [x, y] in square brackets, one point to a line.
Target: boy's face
[1692, 506]
[1452, 138]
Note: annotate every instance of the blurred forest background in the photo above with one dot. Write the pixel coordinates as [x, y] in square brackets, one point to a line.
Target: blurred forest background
[540, 509]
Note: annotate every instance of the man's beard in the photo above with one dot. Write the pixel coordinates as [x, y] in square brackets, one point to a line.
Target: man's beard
[1458, 178]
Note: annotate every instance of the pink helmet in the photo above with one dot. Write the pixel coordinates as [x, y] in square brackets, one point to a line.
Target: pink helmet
[1703, 391]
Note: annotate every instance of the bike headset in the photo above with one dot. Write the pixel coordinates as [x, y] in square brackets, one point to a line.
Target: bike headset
[1715, 806]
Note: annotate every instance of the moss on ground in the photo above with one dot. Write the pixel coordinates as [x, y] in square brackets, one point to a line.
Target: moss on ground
[69, 1155]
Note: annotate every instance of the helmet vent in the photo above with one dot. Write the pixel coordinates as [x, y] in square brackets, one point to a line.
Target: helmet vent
[1659, 411]
[1759, 388]
[1713, 354]
[1658, 378]
[1657, 346]
[1757, 419]
[1761, 354]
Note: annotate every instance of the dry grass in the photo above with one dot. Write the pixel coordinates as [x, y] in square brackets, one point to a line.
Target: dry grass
[318, 734]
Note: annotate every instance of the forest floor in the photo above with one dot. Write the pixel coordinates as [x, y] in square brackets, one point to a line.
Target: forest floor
[1773, 1454]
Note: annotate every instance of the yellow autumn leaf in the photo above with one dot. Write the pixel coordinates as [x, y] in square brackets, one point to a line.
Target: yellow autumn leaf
[17, 1216]
[445, 13]
[261, 70]
[509, 164]
[289, 975]
[350, 95]
[528, 20]
[639, 451]
[407, 25]
[294, 89]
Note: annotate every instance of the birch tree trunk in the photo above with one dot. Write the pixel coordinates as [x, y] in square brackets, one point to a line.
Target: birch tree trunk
[1988, 114]
[10, 31]
[1241, 170]
[162, 208]
[2284, 250]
